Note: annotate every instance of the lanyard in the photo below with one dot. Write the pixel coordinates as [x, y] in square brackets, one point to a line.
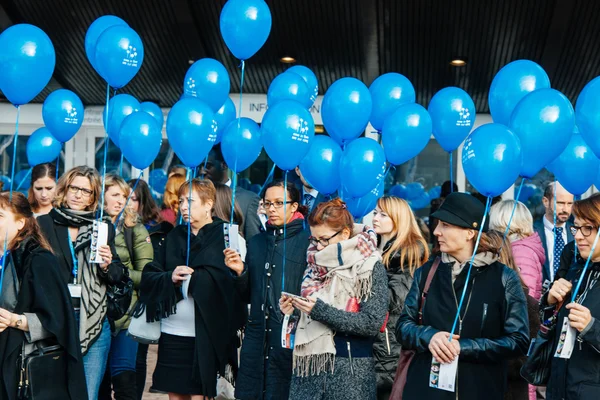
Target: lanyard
[2, 258]
[75, 264]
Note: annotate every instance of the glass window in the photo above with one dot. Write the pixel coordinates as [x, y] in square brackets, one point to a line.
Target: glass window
[115, 163]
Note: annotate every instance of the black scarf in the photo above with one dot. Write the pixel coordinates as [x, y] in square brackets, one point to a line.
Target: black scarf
[212, 288]
[41, 291]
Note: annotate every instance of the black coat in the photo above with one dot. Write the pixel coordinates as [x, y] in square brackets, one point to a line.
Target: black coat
[42, 291]
[386, 358]
[495, 329]
[579, 377]
[266, 368]
[158, 233]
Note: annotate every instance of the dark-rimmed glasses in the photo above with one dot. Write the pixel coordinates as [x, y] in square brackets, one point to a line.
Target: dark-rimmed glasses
[323, 241]
[585, 230]
[84, 192]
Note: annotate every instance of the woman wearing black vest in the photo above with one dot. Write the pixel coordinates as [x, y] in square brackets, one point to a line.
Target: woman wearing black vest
[35, 306]
[266, 368]
[69, 228]
[493, 325]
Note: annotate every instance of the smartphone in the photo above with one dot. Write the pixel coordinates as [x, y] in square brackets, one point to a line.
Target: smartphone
[293, 296]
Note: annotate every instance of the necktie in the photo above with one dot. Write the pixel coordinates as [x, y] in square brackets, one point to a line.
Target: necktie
[559, 245]
[309, 201]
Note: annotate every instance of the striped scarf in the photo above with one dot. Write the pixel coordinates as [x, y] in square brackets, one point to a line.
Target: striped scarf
[93, 289]
[341, 276]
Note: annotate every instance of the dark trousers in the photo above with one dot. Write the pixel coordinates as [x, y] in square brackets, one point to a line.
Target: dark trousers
[141, 369]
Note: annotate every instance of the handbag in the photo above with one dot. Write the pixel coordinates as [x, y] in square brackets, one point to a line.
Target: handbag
[43, 374]
[119, 296]
[536, 369]
[141, 330]
[406, 356]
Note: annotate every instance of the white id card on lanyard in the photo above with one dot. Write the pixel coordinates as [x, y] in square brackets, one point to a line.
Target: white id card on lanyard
[566, 340]
[443, 376]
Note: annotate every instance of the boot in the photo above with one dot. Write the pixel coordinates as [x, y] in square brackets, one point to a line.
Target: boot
[124, 386]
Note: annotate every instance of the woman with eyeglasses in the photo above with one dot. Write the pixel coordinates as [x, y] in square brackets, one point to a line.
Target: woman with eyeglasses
[69, 230]
[577, 377]
[275, 263]
[343, 306]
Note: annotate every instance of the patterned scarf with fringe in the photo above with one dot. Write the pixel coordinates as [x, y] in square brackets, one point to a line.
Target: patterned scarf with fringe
[340, 275]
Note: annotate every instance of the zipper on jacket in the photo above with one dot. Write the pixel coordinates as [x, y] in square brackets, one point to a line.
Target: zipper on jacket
[350, 358]
[484, 317]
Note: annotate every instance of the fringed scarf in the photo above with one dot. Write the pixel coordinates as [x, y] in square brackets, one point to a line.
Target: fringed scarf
[340, 275]
[93, 289]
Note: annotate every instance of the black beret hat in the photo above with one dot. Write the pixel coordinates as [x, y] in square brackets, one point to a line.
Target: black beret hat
[462, 209]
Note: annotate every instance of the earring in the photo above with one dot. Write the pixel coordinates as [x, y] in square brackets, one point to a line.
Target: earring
[207, 215]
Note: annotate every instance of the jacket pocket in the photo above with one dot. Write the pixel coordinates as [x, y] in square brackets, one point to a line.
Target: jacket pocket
[484, 317]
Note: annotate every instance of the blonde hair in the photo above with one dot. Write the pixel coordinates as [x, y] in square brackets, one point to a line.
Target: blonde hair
[505, 254]
[129, 217]
[521, 225]
[63, 185]
[409, 241]
[171, 195]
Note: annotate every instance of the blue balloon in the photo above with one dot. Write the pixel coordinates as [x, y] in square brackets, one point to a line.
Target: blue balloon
[361, 206]
[414, 190]
[492, 158]
[223, 117]
[140, 138]
[208, 80]
[119, 107]
[398, 190]
[245, 26]
[158, 179]
[544, 121]
[421, 201]
[287, 133]
[587, 115]
[528, 190]
[22, 180]
[191, 130]
[42, 147]
[346, 109]
[513, 82]
[27, 62]
[63, 114]
[577, 166]
[321, 166]
[435, 192]
[119, 55]
[154, 110]
[389, 92]
[406, 133]
[289, 86]
[241, 144]
[362, 166]
[93, 33]
[452, 113]
[309, 77]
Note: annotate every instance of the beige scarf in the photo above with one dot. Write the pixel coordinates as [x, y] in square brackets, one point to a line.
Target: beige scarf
[480, 260]
[338, 275]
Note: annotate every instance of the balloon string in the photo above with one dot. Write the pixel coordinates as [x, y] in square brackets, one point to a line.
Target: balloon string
[451, 174]
[189, 226]
[554, 227]
[233, 187]
[243, 65]
[58, 162]
[585, 268]
[121, 165]
[268, 180]
[464, 292]
[105, 152]
[128, 198]
[14, 159]
[285, 191]
[23, 180]
[512, 214]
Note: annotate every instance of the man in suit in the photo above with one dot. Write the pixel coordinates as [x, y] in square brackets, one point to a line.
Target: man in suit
[547, 231]
[216, 170]
[310, 196]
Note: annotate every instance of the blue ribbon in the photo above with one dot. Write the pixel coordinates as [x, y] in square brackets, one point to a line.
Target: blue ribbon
[105, 153]
[24, 178]
[285, 191]
[512, 214]
[74, 259]
[189, 230]
[451, 174]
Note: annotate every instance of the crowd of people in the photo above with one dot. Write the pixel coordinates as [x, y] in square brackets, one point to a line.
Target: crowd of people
[308, 304]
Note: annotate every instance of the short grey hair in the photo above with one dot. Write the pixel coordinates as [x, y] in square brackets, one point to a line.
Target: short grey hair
[521, 225]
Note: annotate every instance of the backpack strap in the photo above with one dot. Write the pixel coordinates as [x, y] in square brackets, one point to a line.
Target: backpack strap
[128, 235]
[430, 276]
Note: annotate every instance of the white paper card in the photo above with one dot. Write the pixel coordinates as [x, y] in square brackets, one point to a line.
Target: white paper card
[566, 340]
[99, 238]
[185, 287]
[443, 376]
[288, 331]
[75, 290]
[232, 236]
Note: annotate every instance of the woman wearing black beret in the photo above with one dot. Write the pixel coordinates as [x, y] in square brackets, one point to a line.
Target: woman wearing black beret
[492, 324]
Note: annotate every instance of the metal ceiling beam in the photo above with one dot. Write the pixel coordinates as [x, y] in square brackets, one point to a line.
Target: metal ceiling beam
[369, 11]
[187, 25]
[563, 9]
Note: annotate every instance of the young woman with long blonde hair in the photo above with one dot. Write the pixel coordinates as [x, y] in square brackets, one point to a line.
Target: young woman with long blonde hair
[403, 250]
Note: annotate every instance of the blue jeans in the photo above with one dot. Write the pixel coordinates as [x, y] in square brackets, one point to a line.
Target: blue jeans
[123, 353]
[94, 361]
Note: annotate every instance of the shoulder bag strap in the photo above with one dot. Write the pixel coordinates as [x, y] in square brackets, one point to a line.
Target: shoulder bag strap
[430, 276]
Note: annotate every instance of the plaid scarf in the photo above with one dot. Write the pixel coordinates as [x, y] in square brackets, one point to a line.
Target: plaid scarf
[93, 289]
[341, 276]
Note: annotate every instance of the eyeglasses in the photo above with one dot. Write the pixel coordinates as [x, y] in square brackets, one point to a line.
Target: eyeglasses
[276, 204]
[84, 192]
[585, 230]
[323, 241]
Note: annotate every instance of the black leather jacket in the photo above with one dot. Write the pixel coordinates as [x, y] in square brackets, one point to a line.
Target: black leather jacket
[495, 328]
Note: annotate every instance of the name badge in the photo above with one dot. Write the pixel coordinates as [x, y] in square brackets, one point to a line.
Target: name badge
[566, 340]
[75, 290]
